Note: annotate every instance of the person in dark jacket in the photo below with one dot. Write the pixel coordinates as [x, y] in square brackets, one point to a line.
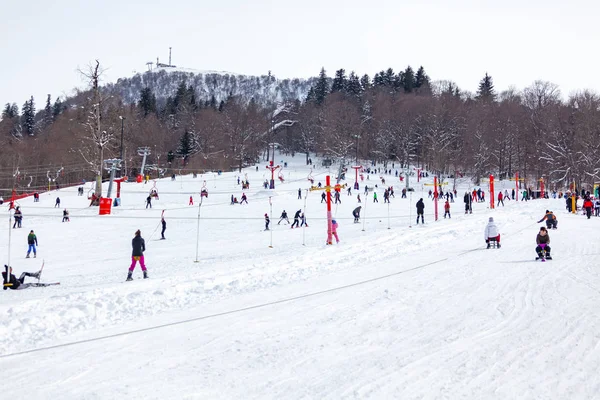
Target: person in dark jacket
[356, 214]
[297, 219]
[149, 201]
[543, 244]
[551, 221]
[66, 216]
[267, 222]
[164, 228]
[15, 284]
[18, 215]
[420, 210]
[284, 217]
[468, 203]
[32, 242]
[57, 204]
[139, 246]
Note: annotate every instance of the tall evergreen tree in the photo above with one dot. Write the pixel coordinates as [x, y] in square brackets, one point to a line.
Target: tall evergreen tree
[389, 77]
[185, 146]
[379, 79]
[57, 108]
[147, 101]
[409, 79]
[486, 91]
[340, 81]
[353, 87]
[310, 96]
[321, 87]
[48, 114]
[10, 111]
[421, 80]
[365, 82]
[28, 117]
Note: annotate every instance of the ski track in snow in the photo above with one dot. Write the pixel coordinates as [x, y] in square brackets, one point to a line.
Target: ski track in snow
[471, 323]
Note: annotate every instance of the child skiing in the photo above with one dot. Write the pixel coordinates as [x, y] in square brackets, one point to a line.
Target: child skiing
[284, 217]
[65, 216]
[11, 281]
[491, 233]
[268, 221]
[588, 205]
[447, 209]
[334, 226]
[139, 246]
[32, 241]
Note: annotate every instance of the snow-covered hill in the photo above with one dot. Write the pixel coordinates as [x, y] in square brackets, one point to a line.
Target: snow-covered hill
[394, 310]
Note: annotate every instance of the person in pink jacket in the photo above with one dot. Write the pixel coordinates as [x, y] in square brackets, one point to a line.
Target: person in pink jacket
[334, 226]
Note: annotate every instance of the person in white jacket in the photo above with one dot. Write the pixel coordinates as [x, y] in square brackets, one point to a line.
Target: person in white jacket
[491, 233]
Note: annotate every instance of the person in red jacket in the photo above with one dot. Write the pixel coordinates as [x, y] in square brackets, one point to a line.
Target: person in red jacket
[500, 199]
[589, 206]
[447, 209]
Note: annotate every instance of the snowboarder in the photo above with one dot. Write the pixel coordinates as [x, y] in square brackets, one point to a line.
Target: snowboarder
[57, 204]
[267, 222]
[297, 219]
[447, 209]
[164, 228]
[138, 247]
[420, 210]
[334, 226]
[551, 221]
[543, 244]
[32, 242]
[149, 201]
[66, 216]
[491, 233]
[284, 217]
[11, 281]
[356, 214]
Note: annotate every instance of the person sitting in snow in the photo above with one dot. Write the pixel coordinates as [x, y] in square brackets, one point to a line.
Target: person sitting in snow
[491, 233]
[543, 244]
[14, 283]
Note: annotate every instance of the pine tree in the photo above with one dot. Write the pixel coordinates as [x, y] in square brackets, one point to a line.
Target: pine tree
[48, 114]
[389, 78]
[57, 108]
[353, 87]
[379, 79]
[310, 96]
[185, 146]
[28, 117]
[365, 82]
[421, 80]
[409, 79]
[321, 87]
[10, 111]
[486, 91]
[340, 81]
[147, 101]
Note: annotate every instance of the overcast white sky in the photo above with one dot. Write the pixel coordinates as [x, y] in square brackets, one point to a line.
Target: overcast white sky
[516, 41]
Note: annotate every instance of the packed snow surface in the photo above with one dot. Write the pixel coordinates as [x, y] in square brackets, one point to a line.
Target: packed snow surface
[395, 310]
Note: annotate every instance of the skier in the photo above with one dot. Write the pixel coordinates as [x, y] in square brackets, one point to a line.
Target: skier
[66, 216]
[149, 201]
[191, 203]
[334, 226]
[589, 206]
[16, 284]
[468, 202]
[297, 219]
[164, 228]
[283, 217]
[500, 199]
[491, 233]
[299, 194]
[551, 221]
[358, 198]
[303, 219]
[244, 198]
[447, 209]
[543, 244]
[403, 193]
[32, 242]
[57, 204]
[597, 207]
[420, 210]
[267, 222]
[349, 191]
[375, 197]
[323, 197]
[138, 247]
[356, 214]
